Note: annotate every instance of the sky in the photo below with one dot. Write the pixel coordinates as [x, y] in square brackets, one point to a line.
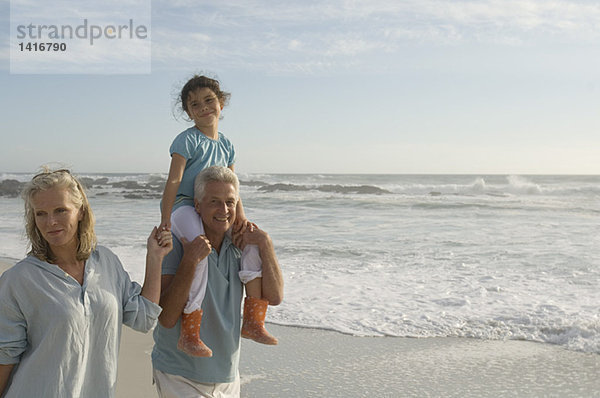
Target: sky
[330, 86]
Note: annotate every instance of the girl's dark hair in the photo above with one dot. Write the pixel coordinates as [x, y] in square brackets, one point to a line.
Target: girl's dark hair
[199, 81]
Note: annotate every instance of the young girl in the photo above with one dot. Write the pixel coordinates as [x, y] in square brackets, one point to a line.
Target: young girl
[193, 150]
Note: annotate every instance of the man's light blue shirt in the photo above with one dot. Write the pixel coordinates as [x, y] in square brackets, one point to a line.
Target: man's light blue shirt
[63, 336]
[221, 321]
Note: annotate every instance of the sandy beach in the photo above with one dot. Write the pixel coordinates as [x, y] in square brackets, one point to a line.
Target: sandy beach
[320, 363]
[317, 363]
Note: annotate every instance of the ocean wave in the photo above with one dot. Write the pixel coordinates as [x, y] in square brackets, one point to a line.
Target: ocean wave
[574, 337]
[498, 186]
[343, 189]
[253, 183]
[412, 185]
[521, 185]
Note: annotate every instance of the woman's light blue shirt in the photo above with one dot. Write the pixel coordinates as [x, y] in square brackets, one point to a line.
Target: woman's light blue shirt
[65, 336]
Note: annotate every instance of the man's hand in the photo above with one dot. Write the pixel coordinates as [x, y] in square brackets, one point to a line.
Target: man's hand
[196, 250]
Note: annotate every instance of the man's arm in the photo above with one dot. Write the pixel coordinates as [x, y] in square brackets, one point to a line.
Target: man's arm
[176, 288]
[272, 278]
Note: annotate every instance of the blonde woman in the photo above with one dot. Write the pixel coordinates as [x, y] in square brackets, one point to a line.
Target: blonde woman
[64, 304]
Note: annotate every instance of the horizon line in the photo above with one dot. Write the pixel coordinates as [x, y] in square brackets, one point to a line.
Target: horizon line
[340, 173]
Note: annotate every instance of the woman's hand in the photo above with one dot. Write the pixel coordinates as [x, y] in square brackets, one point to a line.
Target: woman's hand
[160, 243]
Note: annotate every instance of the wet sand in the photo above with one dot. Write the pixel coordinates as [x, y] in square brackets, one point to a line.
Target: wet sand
[319, 363]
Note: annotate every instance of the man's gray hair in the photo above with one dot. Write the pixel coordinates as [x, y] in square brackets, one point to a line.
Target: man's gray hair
[215, 174]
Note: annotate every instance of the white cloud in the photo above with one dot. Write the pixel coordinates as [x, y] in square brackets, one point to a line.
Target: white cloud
[311, 35]
[336, 34]
[295, 44]
[76, 22]
[69, 11]
[351, 46]
[103, 57]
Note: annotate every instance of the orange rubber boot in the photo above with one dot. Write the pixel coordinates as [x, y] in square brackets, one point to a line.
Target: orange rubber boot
[189, 339]
[255, 311]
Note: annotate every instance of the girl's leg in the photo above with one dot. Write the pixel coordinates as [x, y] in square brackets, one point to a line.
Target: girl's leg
[255, 308]
[251, 266]
[186, 223]
[253, 327]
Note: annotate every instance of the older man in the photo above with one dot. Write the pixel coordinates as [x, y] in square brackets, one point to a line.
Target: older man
[177, 374]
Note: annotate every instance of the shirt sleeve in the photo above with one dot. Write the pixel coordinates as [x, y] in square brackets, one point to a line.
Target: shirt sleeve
[183, 145]
[139, 313]
[231, 161]
[13, 327]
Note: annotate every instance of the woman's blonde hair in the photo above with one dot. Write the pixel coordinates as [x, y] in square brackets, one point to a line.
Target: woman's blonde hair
[62, 178]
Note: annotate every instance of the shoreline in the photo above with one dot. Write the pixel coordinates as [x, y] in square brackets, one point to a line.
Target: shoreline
[315, 363]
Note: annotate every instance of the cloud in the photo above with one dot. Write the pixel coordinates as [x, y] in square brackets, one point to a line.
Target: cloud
[310, 35]
[74, 11]
[115, 49]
